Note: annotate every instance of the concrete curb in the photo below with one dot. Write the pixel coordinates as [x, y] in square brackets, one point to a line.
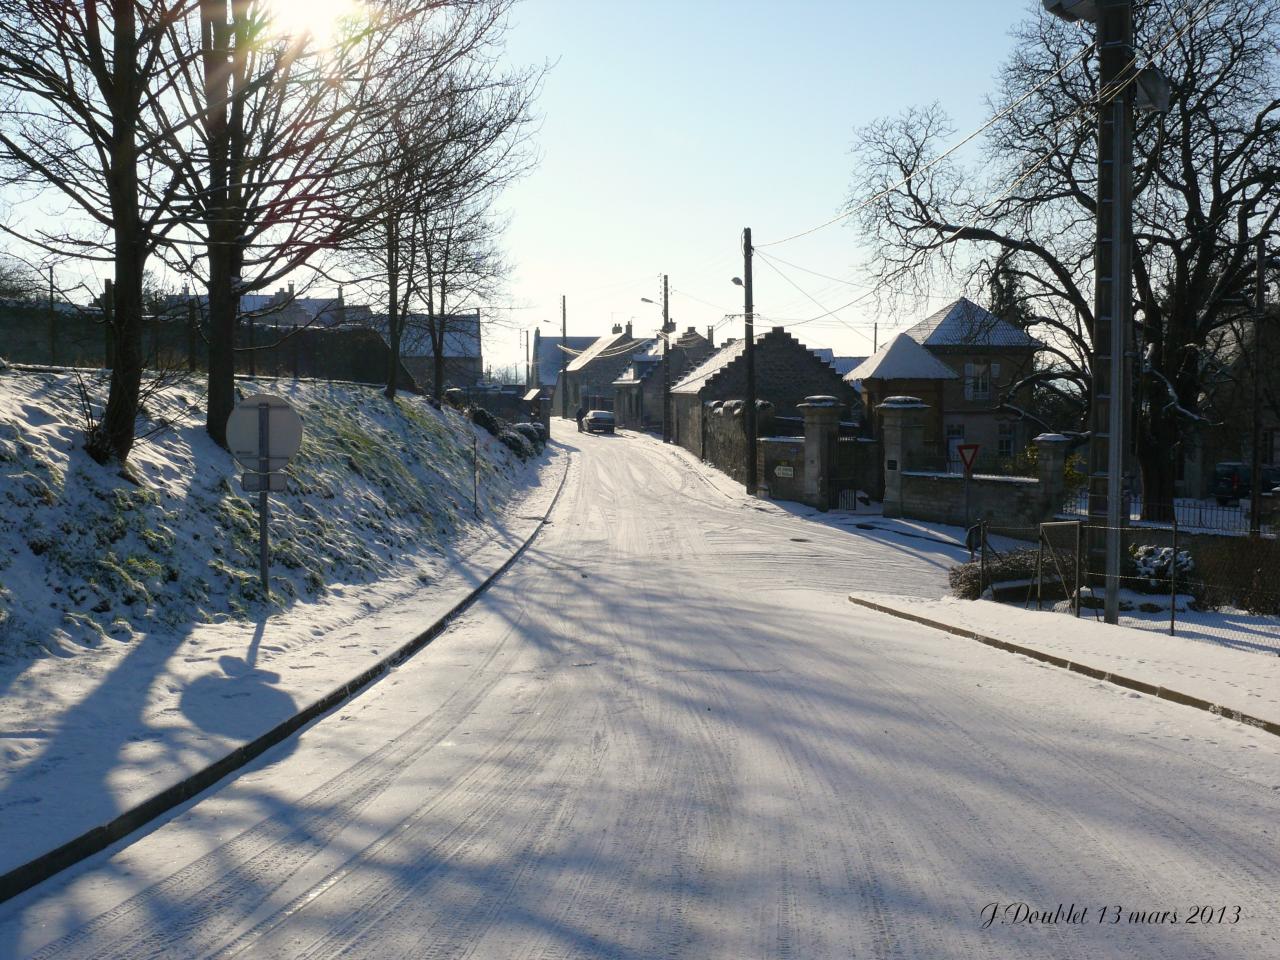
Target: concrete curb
[1141, 686]
[28, 875]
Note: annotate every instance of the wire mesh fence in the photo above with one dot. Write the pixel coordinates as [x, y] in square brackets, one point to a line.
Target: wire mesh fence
[1201, 586]
[1204, 588]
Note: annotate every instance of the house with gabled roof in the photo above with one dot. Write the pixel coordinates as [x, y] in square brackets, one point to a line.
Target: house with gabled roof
[551, 354]
[638, 392]
[463, 359]
[964, 362]
[588, 379]
[786, 373]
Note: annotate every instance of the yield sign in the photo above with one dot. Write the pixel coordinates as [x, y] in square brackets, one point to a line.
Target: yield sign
[968, 453]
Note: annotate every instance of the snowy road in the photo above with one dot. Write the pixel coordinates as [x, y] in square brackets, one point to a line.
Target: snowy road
[666, 733]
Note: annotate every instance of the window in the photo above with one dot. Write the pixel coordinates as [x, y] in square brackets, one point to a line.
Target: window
[1004, 441]
[977, 381]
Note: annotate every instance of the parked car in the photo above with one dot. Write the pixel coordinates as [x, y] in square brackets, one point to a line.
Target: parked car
[1232, 481]
[598, 421]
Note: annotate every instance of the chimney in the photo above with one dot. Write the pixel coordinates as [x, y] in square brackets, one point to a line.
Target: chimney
[711, 336]
[290, 288]
[617, 328]
[628, 329]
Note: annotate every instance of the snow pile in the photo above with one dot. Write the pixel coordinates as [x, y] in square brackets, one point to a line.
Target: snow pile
[86, 554]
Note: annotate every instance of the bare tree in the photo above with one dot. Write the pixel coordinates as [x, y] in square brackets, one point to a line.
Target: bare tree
[17, 280]
[1206, 183]
[461, 267]
[282, 126]
[77, 82]
[441, 161]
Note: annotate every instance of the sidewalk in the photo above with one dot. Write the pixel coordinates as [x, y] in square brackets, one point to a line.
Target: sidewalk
[1238, 681]
[99, 736]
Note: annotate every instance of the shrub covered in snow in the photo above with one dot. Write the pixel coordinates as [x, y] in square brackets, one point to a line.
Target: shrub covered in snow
[516, 443]
[1151, 566]
[485, 420]
[965, 578]
[533, 433]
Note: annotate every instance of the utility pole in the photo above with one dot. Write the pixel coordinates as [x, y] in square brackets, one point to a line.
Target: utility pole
[1113, 280]
[564, 360]
[1255, 472]
[749, 348]
[875, 336]
[666, 364]
[1113, 309]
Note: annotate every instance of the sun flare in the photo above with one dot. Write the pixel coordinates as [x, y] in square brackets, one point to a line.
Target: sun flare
[320, 21]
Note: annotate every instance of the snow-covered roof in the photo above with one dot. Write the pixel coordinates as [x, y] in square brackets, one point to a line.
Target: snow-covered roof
[962, 323]
[841, 365]
[609, 345]
[461, 334]
[549, 357]
[697, 378]
[901, 359]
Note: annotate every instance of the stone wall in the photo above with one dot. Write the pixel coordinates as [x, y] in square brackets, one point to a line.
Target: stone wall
[724, 438]
[1005, 502]
[1010, 503]
[780, 466]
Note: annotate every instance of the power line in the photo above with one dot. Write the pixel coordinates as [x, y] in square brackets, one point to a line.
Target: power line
[1209, 4]
[938, 159]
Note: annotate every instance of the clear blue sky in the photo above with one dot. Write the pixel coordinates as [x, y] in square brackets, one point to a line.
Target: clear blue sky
[668, 127]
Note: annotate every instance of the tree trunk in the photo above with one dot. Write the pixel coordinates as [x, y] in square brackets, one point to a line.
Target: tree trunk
[222, 331]
[221, 234]
[1155, 459]
[394, 320]
[113, 438]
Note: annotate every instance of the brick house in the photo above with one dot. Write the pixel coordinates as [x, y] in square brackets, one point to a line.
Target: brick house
[786, 372]
[638, 392]
[962, 361]
[589, 377]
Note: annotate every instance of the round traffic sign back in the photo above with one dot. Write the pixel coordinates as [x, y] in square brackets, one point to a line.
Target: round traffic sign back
[244, 430]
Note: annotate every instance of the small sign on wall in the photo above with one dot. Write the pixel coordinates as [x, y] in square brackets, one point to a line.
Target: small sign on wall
[784, 470]
[891, 465]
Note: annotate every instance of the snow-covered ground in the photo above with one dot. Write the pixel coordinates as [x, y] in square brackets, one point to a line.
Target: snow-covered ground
[1240, 680]
[665, 732]
[101, 709]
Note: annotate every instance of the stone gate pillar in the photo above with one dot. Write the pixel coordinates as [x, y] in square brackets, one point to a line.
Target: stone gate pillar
[821, 430]
[1051, 461]
[903, 435]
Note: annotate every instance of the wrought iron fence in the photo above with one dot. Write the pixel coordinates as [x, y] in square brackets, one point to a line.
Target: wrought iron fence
[1192, 516]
